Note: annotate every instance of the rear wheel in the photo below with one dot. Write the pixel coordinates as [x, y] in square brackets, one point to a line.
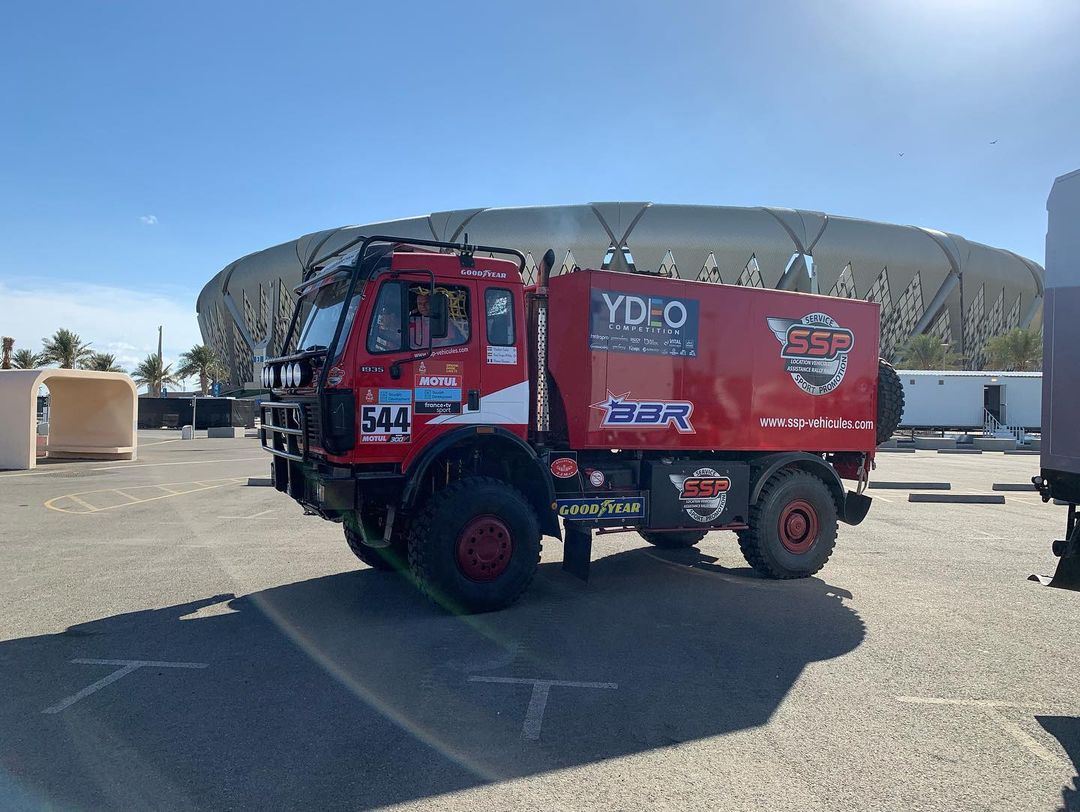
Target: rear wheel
[475, 545]
[673, 540]
[792, 526]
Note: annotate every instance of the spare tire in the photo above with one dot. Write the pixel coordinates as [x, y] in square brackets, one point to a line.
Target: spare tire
[890, 401]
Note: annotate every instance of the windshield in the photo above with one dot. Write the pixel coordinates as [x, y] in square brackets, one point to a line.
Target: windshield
[323, 313]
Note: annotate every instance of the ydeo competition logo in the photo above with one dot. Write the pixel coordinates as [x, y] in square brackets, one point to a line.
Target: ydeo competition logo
[624, 507]
[703, 494]
[816, 351]
[622, 412]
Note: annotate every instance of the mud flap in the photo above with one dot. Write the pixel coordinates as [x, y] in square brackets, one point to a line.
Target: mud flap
[856, 506]
[1067, 575]
[577, 550]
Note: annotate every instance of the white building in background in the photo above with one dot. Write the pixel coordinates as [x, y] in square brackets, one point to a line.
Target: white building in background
[952, 399]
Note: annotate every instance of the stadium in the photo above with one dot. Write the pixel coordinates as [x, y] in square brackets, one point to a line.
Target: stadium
[926, 281]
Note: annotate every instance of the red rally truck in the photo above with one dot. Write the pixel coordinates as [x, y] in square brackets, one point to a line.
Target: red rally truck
[447, 415]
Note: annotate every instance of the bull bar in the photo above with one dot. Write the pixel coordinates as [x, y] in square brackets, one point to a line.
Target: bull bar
[286, 439]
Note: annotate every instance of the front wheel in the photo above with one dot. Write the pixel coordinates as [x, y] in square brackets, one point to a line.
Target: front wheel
[792, 526]
[475, 545]
[388, 559]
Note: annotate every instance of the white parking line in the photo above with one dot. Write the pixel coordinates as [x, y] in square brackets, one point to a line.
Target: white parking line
[126, 667]
[186, 462]
[991, 708]
[534, 715]
[258, 515]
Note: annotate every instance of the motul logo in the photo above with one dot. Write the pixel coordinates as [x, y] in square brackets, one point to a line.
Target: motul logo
[438, 380]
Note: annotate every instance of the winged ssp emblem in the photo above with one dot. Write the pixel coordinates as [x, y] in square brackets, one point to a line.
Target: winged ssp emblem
[780, 327]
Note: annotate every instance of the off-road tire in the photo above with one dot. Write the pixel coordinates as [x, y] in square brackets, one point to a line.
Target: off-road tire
[761, 543]
[394, 558]
[890, 401]
[674, 540]
[437, 533]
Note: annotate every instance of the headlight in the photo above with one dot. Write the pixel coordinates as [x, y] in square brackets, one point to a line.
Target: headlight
[297, 372]
[262, 376]
[288, 374]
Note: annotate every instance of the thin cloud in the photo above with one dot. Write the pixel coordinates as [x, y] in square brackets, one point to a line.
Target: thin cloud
[122, 321]
[148, 219]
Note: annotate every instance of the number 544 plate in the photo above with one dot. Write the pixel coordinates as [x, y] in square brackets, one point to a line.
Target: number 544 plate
[385, 424]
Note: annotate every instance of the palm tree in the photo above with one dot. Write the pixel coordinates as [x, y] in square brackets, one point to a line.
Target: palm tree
[927, 352]
[102, 362]
[1019, 350]
[26, 359]
[202, 361]
[65, 349]
[153, 374]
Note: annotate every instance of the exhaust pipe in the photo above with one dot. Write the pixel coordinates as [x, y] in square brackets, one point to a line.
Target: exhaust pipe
[543, 396]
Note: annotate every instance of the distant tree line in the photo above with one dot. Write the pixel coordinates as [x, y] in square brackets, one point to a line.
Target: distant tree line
[67, 350]
[1019, 350]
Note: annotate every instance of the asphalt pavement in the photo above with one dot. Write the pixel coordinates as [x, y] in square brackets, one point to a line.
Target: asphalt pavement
[175, 638]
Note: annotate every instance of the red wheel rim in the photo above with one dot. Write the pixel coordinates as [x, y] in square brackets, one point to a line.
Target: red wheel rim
[798, 526]
[484, 548]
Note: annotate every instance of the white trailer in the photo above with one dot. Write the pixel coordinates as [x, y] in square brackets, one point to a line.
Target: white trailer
[952, 399]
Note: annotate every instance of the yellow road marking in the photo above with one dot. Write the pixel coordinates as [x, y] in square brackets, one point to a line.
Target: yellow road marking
[74, 498]
[89, 507]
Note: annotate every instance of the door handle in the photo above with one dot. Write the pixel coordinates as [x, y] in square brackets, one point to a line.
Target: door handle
[474, 400]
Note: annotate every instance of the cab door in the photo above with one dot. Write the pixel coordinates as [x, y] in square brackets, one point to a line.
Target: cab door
[504, 373]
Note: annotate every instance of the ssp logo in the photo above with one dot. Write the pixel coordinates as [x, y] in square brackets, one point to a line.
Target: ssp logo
[815, 349]
[703, 494]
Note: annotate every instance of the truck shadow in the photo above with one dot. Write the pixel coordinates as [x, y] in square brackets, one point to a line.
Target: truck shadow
[1066, 729]
[350, 690]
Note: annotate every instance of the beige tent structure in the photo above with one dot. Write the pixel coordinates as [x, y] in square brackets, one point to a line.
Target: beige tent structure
[92, 415]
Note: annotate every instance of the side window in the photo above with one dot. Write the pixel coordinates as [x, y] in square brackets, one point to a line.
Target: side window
[419, 321]
[385, 333]
[499, 307]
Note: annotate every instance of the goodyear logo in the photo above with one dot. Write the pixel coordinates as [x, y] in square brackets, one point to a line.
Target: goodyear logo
[622, 507]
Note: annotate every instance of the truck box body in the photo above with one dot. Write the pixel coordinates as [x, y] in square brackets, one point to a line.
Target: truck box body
[643, 362]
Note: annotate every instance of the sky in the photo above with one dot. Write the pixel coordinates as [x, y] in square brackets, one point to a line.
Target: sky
[143, 146]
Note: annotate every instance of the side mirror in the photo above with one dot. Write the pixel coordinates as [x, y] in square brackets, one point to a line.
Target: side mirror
[440, 316]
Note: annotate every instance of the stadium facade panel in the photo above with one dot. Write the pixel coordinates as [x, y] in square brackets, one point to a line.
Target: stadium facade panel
[926, 281]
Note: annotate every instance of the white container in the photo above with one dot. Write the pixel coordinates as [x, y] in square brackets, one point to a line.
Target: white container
[187, 433]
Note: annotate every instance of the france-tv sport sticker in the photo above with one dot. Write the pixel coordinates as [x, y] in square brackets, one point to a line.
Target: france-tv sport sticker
[815, 350]
[623, 412]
